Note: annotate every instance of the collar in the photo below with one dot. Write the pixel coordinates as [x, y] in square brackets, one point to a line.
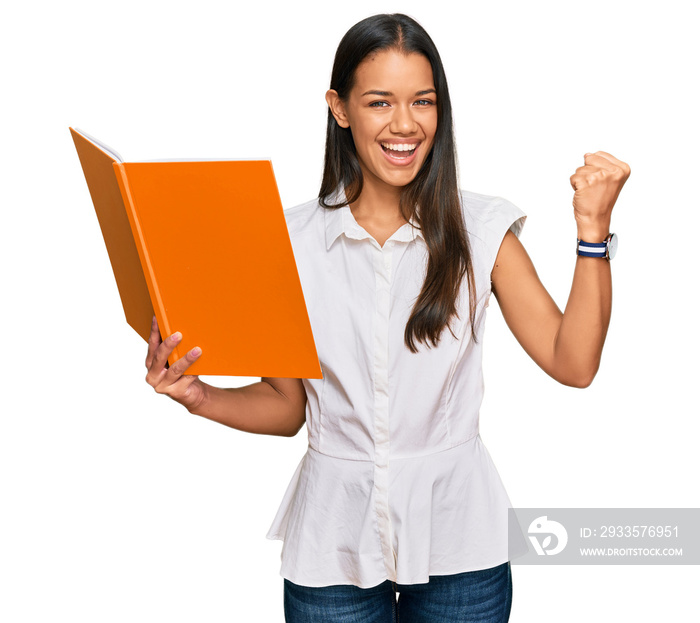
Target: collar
[341, 221]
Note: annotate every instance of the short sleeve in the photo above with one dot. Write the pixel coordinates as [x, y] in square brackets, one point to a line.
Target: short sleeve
[487, 219]
[500, 216]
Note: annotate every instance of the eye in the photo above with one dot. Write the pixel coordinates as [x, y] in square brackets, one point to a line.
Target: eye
[379, 104]
[424, 103]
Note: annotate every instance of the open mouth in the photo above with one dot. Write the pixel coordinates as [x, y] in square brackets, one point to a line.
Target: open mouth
[399, 151]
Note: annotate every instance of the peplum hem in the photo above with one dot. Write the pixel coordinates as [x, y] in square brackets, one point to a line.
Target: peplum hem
[448, 512]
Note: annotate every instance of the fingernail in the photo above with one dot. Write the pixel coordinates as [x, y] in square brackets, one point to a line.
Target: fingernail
[177, 336]
[587, 154]
[196, 351]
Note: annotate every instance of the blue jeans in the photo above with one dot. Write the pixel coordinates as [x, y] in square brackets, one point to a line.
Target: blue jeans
[483, 596]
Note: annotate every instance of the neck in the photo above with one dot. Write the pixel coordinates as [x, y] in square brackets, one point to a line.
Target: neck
[378, 205]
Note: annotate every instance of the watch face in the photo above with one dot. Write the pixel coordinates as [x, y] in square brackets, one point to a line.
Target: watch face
[612, 246]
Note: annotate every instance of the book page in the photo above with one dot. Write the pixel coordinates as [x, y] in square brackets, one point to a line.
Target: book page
[108, 150]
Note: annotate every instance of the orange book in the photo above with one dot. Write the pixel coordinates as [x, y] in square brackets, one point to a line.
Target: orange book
[203, 245]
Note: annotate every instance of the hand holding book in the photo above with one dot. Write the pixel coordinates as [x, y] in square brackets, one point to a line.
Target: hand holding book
[274, 406]
[188, 390]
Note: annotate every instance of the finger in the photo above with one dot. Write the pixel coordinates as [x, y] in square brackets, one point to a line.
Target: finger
[154, 340]
[608, 162]
[607, 156]
[186, 381]
[579, 179]
[160, 357]
[180, 390]
[596, 160]
[181, 366]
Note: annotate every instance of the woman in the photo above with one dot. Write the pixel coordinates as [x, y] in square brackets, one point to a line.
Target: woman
[396, 492]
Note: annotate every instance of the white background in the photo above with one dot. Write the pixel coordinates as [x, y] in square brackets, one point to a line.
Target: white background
[117, 504]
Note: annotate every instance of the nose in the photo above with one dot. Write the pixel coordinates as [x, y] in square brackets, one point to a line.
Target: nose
[402, 121]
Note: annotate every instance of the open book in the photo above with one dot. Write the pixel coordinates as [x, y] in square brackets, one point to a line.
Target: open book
[203, 245]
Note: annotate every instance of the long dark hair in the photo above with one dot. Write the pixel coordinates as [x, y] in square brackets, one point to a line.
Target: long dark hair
[432, 198]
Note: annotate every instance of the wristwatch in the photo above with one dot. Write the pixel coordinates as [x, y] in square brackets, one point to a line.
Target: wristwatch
[606, 249]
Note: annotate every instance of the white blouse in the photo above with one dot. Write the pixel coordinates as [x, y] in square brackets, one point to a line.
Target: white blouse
[396, 483]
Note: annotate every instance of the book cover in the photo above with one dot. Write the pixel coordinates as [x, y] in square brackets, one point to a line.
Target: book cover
[203, 245]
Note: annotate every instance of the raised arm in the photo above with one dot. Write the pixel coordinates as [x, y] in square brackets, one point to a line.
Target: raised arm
[567, 346]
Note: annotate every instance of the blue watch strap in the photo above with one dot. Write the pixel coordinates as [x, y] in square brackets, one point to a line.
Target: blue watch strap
[591, 249]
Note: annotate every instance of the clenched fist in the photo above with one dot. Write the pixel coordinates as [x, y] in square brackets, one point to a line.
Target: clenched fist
[596, 186]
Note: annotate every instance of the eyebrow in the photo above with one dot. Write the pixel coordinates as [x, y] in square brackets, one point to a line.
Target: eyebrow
[389, 93]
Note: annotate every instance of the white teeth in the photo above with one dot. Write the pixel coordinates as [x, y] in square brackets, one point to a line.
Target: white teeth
[400, 146]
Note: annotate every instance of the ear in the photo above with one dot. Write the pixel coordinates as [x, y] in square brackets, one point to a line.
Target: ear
[337, 108]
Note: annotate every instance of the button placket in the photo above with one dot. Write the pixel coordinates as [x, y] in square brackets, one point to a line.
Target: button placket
[382, 258]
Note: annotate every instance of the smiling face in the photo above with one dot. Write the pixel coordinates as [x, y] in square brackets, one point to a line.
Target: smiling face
[392, 114]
